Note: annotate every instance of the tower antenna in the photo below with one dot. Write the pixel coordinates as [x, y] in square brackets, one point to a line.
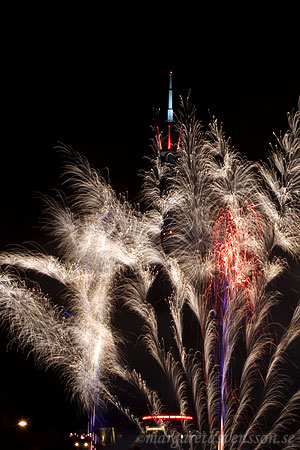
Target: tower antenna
[170, 99]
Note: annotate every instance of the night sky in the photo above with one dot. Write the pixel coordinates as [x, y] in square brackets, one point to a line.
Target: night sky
[90, 79]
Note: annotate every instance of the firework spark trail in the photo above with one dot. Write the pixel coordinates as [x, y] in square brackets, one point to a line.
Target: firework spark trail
[227, 215]
[288, 416]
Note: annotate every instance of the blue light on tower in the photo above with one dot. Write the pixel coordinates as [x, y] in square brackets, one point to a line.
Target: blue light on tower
[170, 100]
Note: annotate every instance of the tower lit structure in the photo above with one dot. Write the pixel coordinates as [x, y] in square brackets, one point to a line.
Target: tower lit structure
[169, 138]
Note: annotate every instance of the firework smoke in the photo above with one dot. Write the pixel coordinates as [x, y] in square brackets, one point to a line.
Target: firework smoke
[213, 236]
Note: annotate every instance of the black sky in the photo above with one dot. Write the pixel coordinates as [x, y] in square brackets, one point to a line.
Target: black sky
[90, 78]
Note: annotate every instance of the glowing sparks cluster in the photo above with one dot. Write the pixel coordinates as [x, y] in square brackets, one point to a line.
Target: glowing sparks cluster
[211, 236]
[231, 259]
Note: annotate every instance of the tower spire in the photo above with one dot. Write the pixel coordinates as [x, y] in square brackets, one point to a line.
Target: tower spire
[169, 144]
[170, 100]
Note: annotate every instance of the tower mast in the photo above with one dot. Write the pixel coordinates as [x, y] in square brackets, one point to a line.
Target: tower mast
[170, 145]
[170, 100]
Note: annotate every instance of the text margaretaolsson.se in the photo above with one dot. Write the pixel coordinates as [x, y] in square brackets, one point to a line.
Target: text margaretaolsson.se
[203, 438]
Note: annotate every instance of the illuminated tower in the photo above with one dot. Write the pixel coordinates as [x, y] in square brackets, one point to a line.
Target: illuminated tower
[169, 138]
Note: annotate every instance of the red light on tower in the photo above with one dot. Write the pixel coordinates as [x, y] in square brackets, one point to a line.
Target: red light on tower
[169, 137]
[158, 137]
[179, 137]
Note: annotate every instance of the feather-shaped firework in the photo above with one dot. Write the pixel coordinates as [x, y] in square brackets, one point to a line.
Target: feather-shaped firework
[220, 350]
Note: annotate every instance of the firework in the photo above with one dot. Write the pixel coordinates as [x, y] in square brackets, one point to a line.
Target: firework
[213, 237]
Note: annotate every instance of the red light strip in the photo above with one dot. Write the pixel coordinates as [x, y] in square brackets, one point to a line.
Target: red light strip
[169, 137]
[168, 416]
[158, 137]
[179, 137]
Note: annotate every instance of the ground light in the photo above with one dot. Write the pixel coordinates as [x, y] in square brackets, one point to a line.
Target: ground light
[22, 423]
[168, 416]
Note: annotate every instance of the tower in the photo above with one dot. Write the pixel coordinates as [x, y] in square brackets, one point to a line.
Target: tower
[167, 135]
